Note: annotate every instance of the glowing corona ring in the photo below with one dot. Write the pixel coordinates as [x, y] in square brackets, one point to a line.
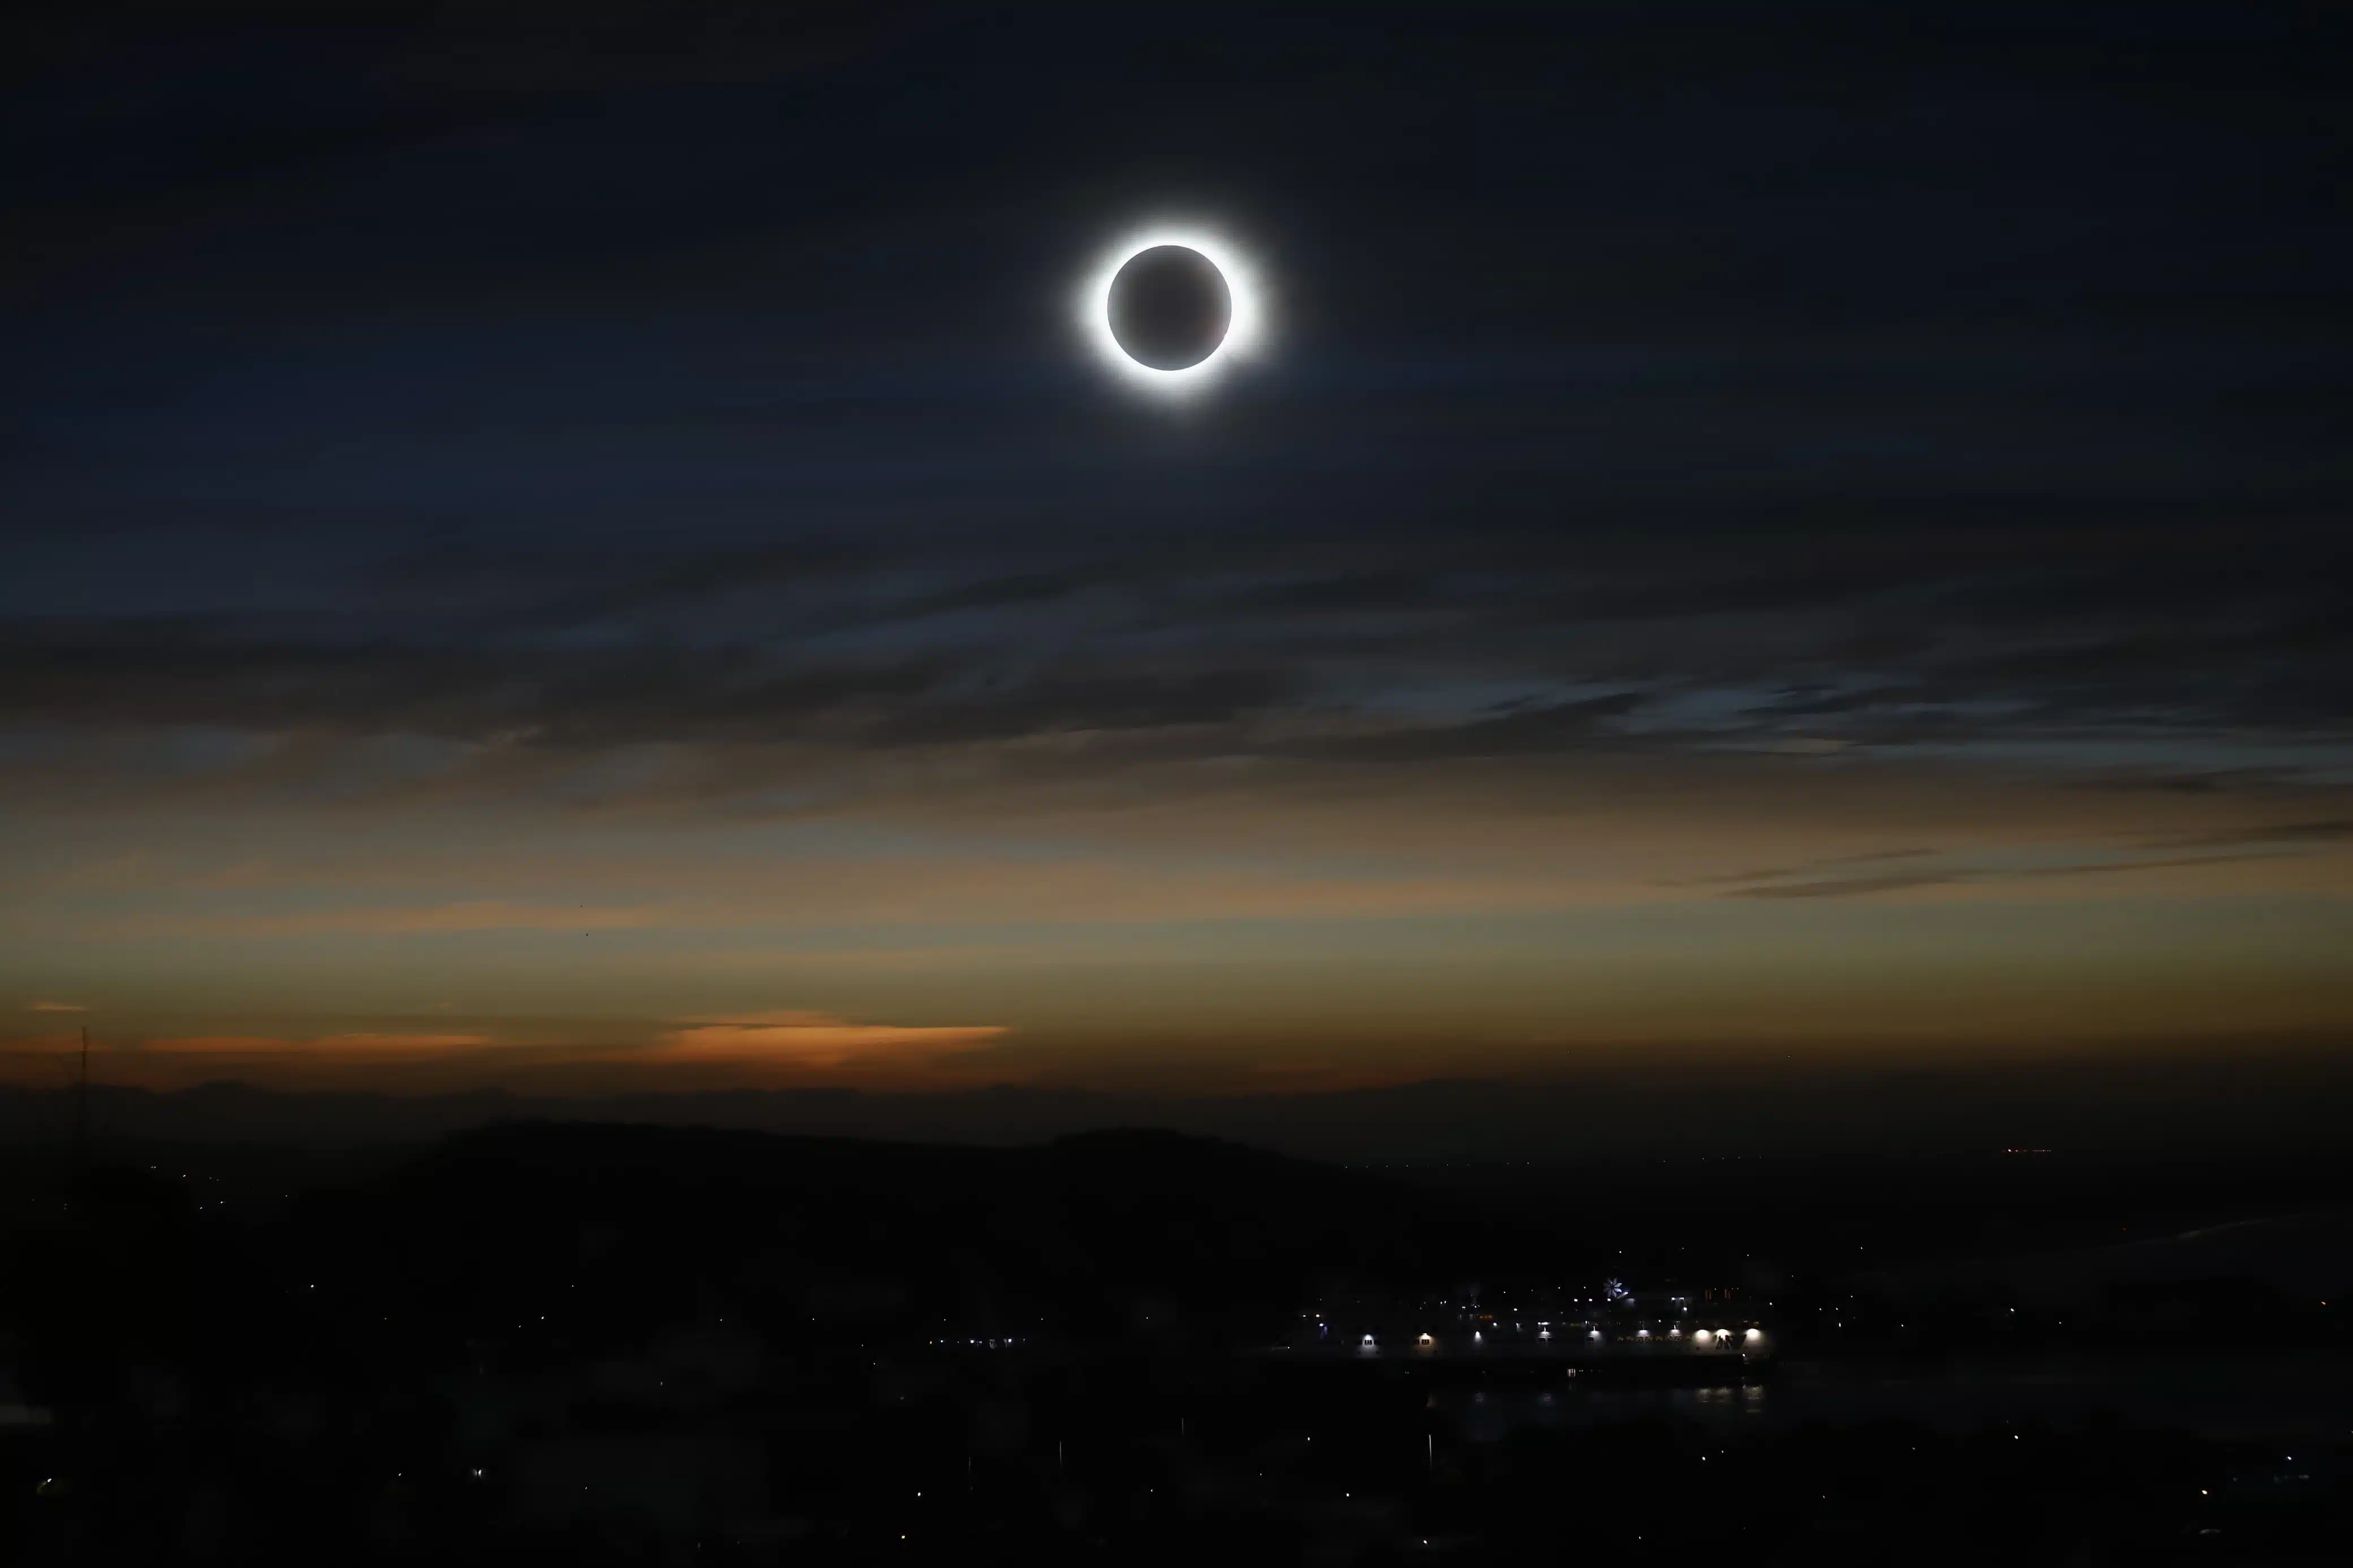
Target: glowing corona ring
[1245, 327]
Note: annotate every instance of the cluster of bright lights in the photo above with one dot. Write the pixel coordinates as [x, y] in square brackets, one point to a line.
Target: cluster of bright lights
[1245, 329]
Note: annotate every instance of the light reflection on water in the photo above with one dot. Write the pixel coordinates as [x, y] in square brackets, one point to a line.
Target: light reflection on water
[2216, 1394]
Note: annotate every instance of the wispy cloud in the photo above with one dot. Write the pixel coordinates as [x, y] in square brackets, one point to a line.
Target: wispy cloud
[1819, 869]
[1510, 646]
[1844, 887]
[468, 915]
[803, 1039]
[330, 1046]
[1848, 887]
[56, 1007]
[2332, 830]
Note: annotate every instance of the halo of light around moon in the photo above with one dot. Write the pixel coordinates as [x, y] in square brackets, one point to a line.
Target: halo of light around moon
[1153, 292]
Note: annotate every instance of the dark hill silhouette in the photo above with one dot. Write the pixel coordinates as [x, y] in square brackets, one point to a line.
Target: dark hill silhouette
[2268, 1099]
[1088, 1235]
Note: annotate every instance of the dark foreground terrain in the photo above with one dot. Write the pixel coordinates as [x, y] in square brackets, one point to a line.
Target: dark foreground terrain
[633, 1344]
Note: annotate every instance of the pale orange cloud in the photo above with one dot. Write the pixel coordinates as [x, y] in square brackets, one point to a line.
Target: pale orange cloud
[56, 1007]
[326, 1045]
[472, 915]
[792, 1038]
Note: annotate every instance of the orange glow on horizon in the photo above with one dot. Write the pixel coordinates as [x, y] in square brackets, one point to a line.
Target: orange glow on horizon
[815, 1040]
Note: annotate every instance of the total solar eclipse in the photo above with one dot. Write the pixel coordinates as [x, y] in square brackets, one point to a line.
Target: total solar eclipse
[1169, 307]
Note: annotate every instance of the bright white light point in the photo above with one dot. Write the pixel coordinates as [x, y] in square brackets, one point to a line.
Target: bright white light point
[1245, 328]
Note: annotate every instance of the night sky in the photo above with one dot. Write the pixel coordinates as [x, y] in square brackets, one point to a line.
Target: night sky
[580, 545]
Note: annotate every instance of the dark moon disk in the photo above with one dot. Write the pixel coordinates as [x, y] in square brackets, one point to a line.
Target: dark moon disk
[1170, 307]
